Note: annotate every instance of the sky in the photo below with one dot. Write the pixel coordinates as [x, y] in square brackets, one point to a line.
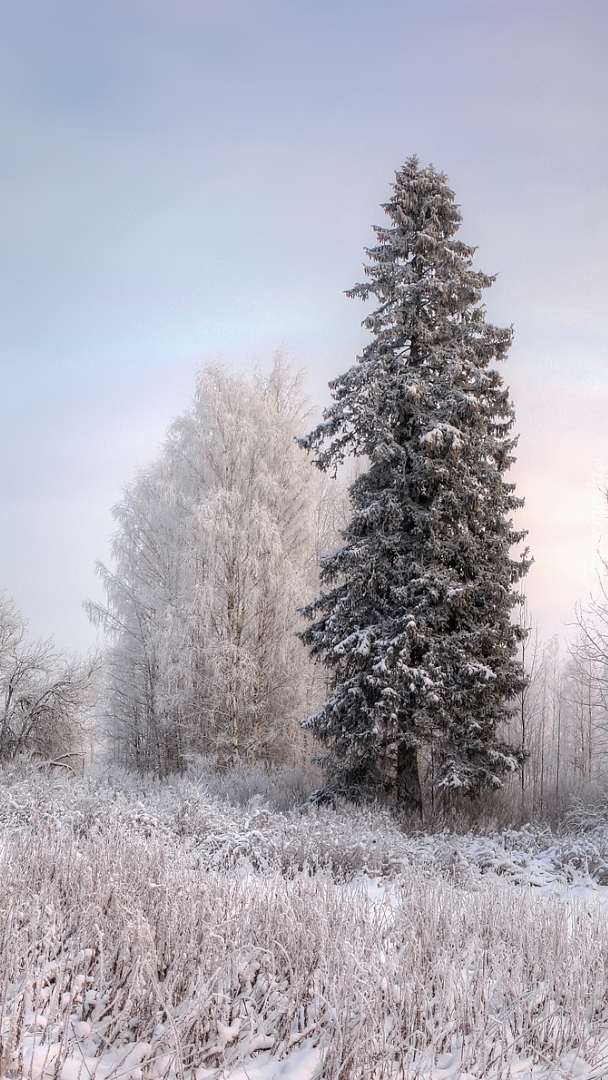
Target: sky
[188, 180]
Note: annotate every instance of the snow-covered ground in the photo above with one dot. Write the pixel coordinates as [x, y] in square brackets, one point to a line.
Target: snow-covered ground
[159, 931]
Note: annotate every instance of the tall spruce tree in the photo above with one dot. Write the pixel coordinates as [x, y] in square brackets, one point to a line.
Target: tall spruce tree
[415, 619]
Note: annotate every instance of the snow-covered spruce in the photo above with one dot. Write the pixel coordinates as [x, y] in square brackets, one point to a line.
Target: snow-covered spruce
[415, 618]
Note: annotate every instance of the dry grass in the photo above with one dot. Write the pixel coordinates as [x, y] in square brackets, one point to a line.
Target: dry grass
[120, 935]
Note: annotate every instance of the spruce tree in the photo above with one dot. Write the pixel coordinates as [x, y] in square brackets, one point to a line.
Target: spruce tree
[415, 619]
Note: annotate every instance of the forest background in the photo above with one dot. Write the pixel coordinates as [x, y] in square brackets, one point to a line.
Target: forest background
[165, 168]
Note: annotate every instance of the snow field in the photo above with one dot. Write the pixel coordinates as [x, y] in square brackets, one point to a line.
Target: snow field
[159, 933]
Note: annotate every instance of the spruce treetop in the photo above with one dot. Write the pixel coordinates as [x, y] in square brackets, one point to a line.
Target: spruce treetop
[428, 323]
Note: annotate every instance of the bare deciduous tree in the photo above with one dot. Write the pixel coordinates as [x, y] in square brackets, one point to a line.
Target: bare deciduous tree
[43, 694]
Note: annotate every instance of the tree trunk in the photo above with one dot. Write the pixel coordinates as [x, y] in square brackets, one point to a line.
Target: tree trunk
[407, 784]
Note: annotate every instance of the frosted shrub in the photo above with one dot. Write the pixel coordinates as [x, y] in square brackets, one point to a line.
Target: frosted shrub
[283, 788]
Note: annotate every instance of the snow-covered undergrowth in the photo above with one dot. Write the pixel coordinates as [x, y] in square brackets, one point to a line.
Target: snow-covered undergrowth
[153, 930]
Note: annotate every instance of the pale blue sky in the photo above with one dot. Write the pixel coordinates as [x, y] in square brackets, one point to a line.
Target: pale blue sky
[192, 178]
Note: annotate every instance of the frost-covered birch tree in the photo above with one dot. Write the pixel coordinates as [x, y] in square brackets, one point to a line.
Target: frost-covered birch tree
[415, 617]
[213, 555]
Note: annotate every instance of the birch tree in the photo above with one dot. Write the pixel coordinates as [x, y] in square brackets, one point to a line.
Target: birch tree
[213, 556]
